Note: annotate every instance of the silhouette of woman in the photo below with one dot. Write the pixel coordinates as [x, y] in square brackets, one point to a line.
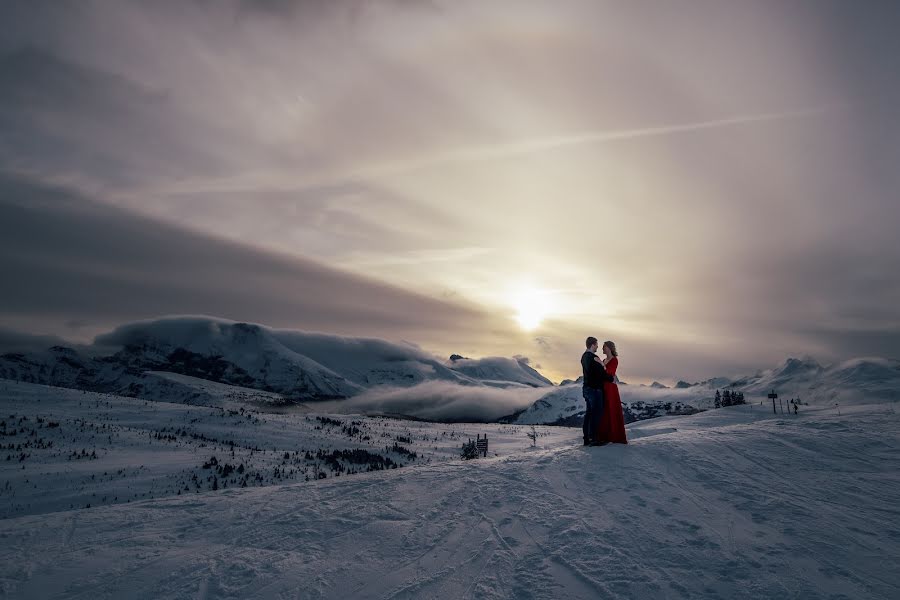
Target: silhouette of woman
[612, 422]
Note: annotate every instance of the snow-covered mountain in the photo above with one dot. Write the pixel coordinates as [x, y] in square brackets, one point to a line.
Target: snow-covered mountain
[200, 360]
[299, 366]
[851, 381]
[499, 371]
[565, 405]
[184, 389]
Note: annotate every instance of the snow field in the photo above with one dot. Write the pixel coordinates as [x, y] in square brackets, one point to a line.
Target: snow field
[732, 503]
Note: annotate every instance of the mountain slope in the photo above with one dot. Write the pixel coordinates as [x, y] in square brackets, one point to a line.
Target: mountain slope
[565, 404]
[69, 448]
[500, 371]
[855, 380]
[303, 366]
[852, 381]
[299, 365]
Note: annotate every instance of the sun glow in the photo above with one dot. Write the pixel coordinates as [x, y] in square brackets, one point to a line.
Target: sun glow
[532, 307]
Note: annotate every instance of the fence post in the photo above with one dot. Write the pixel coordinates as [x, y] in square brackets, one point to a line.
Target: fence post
[481, 444]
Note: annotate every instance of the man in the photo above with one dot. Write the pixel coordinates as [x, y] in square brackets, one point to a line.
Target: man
[592, 391]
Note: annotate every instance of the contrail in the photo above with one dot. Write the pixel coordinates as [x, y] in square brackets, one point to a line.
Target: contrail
[289, 181]
[594, 137]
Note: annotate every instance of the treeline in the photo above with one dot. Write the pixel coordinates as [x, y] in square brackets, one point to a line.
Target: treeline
[729, 398]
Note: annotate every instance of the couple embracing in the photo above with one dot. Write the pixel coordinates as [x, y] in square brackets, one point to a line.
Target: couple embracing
[604, 421]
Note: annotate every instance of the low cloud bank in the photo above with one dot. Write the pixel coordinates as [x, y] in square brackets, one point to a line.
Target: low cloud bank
[441, 401]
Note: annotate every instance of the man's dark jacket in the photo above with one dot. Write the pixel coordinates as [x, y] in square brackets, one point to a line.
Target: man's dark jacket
[594, 373]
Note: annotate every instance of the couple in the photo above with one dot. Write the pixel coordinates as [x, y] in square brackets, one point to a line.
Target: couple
[604, 421]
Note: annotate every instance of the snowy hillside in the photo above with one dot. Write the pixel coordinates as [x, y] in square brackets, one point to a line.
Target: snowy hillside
[500, 371]
[729, 503]
[299, 366]
[848, 382]
[62, 449]
[565, 404]
[201, 360]
[854, 380]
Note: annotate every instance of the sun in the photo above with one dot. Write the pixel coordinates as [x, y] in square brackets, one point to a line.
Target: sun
[532, 306]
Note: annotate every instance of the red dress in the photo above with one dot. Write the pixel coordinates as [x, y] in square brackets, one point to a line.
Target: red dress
[612, 422]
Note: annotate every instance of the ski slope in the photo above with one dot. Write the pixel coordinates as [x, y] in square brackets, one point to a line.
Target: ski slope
[732, 503]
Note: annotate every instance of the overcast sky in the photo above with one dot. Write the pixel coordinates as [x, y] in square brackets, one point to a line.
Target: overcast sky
[712, 185]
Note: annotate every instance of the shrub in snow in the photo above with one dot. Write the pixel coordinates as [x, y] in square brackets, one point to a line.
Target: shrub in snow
[469, 451]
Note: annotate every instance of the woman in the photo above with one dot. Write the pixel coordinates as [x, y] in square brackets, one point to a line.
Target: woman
[612, 423]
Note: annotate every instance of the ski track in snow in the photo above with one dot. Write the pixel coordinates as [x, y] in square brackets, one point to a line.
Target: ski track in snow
[733, 503]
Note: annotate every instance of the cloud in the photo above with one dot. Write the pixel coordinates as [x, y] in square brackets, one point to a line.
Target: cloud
[442, 401]
[109, 123]
[22, 342]
[743, 193]
[70, 258]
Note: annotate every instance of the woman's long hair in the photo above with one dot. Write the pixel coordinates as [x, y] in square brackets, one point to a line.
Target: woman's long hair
[612, 348]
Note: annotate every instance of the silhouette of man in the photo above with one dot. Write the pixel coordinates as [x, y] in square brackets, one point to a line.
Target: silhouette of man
[592, 390]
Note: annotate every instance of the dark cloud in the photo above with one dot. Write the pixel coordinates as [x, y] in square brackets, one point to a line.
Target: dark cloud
[866, 54]
[70, 258]
[856, 342]
[349, 11]
[59, 116]
[18, 341]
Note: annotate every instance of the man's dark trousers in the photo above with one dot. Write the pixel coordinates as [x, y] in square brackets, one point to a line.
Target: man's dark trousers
[593, 398]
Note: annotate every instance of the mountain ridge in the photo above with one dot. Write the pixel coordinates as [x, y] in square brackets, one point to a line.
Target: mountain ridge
[173, 356]
[300, 366]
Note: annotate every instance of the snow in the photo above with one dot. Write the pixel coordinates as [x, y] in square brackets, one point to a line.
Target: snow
[174, 387]
[170, 358]
[106, 449]
[566, 402]
[500, 371]
[728, 503]
[299, 366]
[854, 381]
[332, 364]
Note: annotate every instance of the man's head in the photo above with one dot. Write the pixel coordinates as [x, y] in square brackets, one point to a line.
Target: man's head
[591, 343]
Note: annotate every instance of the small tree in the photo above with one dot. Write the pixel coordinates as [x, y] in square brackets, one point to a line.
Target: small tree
[533, 435]
[718, 403]
[469, 451]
